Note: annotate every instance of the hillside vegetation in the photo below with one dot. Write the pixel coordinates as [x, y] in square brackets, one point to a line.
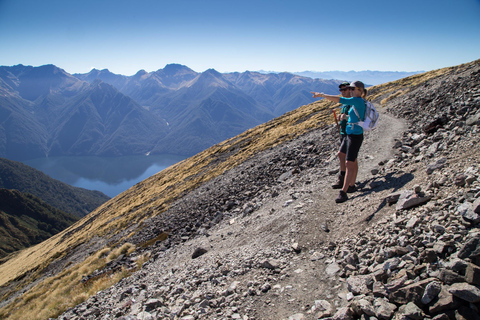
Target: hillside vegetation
[26, 220]
[161, 218]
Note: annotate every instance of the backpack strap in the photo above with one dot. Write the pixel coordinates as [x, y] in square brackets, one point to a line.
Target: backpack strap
[357, 114]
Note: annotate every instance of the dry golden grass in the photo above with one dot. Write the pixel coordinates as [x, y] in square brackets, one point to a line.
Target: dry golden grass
[149, 198]
[397, 88]
[56, 294]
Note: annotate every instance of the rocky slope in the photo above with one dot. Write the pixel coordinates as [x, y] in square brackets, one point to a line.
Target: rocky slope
[268, 241]
[265, 239]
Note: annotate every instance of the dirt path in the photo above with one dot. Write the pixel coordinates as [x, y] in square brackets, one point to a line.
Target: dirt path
[313, 221]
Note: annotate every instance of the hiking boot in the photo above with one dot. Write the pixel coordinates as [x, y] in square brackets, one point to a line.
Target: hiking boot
[342, 197]
[352, 189]
[339, 183]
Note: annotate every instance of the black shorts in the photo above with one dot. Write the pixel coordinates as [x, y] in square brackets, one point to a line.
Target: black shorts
[351, 146]
[343, 143]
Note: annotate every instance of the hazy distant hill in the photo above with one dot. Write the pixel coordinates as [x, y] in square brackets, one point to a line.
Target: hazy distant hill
[368, 77]
[26, 220]
[44, 111]
[76, 201]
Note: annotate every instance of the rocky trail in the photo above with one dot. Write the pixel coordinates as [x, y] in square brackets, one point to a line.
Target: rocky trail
[266, 240]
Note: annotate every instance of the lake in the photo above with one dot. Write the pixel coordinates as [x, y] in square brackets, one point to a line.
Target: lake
[110, 175]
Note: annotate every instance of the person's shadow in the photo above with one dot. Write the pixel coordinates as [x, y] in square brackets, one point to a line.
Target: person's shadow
[390, 182]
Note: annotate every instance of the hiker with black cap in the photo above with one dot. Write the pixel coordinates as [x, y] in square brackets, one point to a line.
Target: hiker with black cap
[342, 124]
[354, 132]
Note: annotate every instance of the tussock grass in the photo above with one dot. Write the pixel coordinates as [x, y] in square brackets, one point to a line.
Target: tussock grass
[65, 290]
[390, 90]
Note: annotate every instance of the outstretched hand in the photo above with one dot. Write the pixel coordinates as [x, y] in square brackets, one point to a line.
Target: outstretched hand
[317, 94]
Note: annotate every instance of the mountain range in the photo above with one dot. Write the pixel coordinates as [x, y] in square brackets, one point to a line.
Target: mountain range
[367, 76]
[45, 111]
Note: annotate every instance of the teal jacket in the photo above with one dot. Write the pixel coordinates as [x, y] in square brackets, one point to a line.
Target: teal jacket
[359, 105]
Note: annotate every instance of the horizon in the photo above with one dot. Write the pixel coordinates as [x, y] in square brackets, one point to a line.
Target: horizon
[259, 71]
[126, 36]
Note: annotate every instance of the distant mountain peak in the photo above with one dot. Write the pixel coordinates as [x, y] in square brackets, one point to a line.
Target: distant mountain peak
[210, 78]
[140, 74]
[213, 72]
[175, 69]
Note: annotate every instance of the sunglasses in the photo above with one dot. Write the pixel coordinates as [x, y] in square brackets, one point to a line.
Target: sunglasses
[344, 89]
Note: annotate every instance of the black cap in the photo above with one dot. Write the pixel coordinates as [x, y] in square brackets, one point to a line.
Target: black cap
[344, 84]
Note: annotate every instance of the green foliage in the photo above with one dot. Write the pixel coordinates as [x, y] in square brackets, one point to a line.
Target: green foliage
[26, 220]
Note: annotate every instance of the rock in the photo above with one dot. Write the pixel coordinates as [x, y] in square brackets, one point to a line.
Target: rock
[465, 292]
[344, 313]
[363, 306]
[446, 301]
[476, 206]
[317, 256]
[437, 165]
[472, 274]
[412, 311]
[411, 223]
[460, 180]
[383, 308]
[296, 247]
[471, 248]
[332, 269]
[323, 309]
[410, 199]
[393, 197]
[466, 313]
[265, 287]
[467, 212]
[270, 264]
[360, 284]
[152, 304]
[410, 293]
[450, 277]
[474, 120]
[431, 292]
[198, 252]
[379, 290]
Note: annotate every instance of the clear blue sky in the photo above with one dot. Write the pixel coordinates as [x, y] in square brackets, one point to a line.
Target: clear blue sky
[125, 36]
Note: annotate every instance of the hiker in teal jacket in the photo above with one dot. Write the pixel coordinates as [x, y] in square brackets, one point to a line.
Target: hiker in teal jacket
[354, 133]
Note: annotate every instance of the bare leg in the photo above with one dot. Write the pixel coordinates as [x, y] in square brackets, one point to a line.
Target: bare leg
[350, 175]
[356, 171]
[341, 157]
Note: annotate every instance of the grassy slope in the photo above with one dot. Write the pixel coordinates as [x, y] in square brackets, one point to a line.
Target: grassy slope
[155, 194]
